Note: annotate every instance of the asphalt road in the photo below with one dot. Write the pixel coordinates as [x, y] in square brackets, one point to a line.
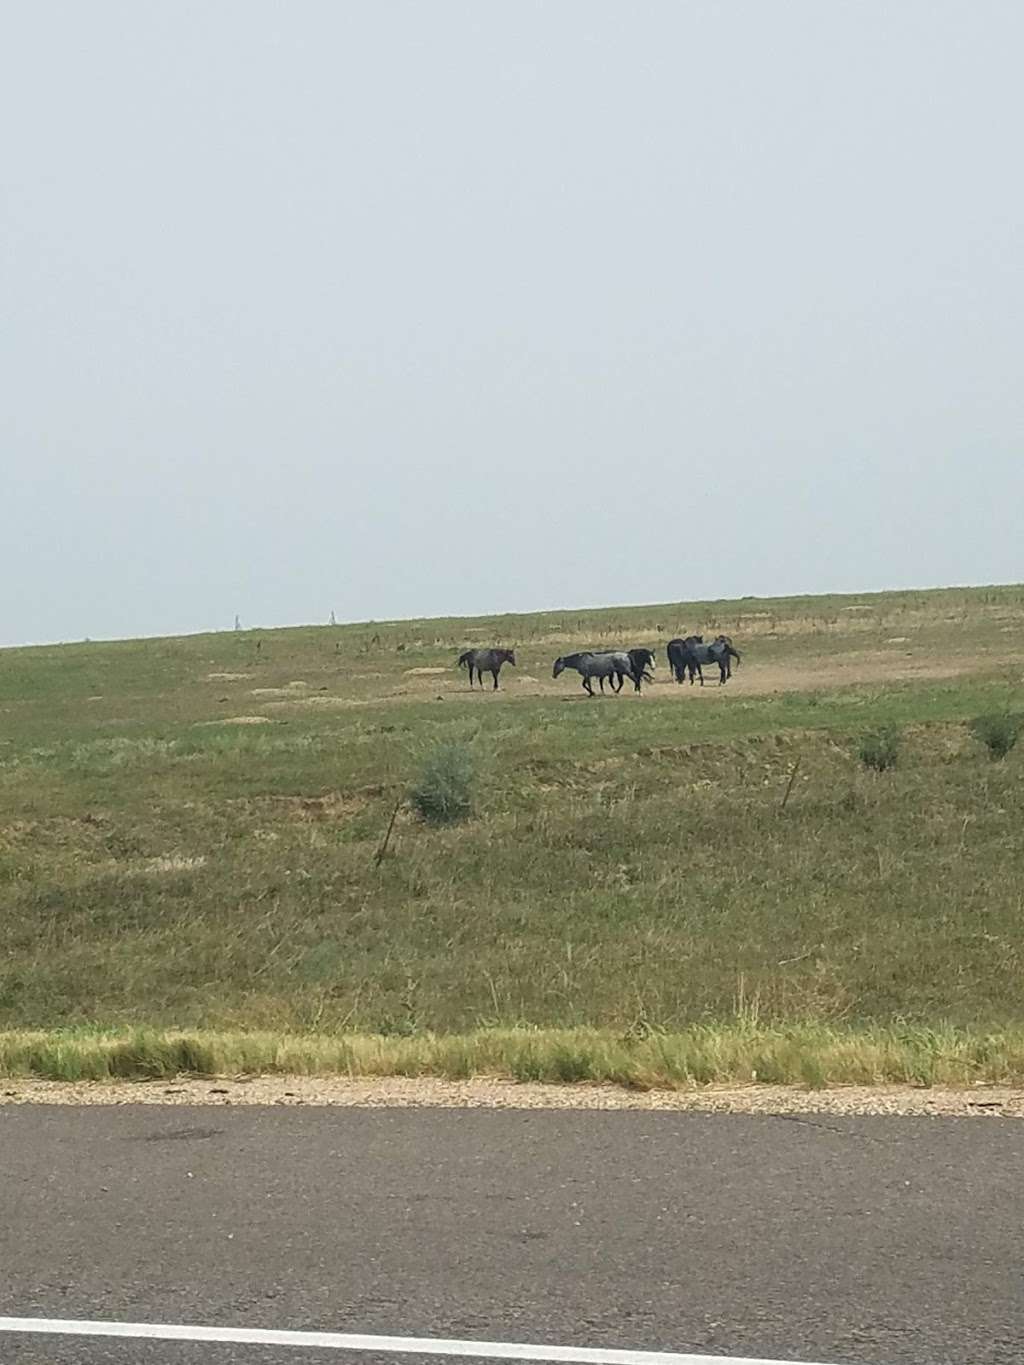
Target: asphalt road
[880, 1240]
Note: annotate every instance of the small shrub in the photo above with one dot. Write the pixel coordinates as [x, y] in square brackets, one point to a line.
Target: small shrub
[998, 731]
[443, 795]
[880, 750]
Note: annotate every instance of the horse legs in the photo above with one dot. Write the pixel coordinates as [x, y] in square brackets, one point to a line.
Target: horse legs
[494, 674]
[587, 687]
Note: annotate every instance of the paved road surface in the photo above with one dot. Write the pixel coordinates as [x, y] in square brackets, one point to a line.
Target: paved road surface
[830, 1239]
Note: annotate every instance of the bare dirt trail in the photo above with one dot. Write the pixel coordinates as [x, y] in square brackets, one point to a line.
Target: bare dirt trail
[749, 680]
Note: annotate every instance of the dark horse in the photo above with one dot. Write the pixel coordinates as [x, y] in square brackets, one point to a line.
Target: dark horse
[688, 656]
[682, 658]
[610, 664]
[641, 660]
[486, 661]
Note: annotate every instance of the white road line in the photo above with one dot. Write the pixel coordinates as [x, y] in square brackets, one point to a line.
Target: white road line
[354, 1341]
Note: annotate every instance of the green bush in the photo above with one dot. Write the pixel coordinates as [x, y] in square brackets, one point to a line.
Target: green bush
[880, 749]
[443, 795]
[998, 731]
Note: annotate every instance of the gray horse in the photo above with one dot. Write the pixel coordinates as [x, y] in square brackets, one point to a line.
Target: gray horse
[486, 661]
[688, 656]
[609, 664]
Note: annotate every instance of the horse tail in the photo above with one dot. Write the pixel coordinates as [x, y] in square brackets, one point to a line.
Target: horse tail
[464, 659]
[735, 653]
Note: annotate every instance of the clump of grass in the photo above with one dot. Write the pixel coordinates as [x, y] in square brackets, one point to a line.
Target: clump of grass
[443, 794]
[738, 1052]
[998, 731]
[880, 749]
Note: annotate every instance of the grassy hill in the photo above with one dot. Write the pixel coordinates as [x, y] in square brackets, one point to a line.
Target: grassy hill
[188, 829]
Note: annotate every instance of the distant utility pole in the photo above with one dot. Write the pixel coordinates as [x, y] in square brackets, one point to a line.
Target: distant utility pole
[238, 624]
[333, 621]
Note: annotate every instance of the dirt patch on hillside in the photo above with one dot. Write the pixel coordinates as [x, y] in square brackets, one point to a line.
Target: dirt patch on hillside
[330, 806]
[843, 670]
[331, 702]
[238, 720]
[750, 679]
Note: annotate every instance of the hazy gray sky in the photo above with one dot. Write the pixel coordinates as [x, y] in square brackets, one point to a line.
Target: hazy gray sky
[407, 307]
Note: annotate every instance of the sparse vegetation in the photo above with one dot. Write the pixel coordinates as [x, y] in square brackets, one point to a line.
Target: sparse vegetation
[998, 731]
[880, 749]
[626, 878]
[443, 793]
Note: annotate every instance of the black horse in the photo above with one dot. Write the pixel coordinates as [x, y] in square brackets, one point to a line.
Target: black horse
[486, 661]
[682, 659]
[689, 655]
[641, 660]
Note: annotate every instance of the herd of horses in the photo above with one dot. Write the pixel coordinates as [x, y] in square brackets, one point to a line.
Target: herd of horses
[686, 658]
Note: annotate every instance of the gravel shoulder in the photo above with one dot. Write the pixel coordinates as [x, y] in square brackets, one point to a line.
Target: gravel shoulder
[400, 1092]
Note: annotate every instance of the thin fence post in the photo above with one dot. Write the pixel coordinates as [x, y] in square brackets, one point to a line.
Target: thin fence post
[378, 857]
[792, 779]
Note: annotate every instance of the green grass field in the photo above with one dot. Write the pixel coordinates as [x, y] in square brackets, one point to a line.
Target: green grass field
[188, 830]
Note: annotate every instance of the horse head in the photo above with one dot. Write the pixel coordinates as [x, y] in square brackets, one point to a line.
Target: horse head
[558, 668]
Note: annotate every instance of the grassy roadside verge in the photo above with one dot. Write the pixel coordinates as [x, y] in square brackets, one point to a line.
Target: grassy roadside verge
[808, 1055]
